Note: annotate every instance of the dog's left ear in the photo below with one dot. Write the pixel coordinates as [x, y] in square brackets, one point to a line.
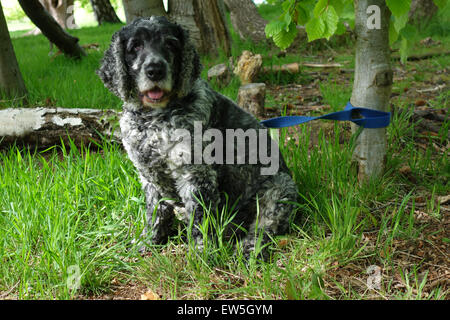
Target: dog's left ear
[113, 70]
[191, 67]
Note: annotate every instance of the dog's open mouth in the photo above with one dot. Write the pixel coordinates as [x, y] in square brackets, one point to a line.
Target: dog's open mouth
[154, 95]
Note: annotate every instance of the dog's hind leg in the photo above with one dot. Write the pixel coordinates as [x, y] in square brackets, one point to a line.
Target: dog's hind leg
[273, 210]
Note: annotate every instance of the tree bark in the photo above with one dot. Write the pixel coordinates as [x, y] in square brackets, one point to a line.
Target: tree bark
[246, 20]
[51, 29]
[62, 11]
[372, 86]
[45, 127]
[137, 9]
[104, 12]
[11, 81]
[422, 11]
[205, 20]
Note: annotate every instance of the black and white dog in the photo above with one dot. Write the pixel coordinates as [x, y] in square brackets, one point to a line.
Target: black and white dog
[154, 68]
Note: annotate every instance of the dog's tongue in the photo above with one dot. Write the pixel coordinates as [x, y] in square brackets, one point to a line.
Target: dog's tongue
[155, 94]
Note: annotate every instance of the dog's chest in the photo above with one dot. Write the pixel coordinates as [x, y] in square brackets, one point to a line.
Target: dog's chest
[153, 144]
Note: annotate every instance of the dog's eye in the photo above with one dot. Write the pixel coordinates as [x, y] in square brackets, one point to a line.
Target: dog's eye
[134, 46]
[172, 43]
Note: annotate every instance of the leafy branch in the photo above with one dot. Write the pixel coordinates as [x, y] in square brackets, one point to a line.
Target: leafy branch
[325, 18]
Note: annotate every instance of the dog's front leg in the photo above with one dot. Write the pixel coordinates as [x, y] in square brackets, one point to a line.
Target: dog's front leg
[159, 217]
[196, 184]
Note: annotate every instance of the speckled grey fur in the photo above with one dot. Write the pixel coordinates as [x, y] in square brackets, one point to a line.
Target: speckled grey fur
[150, 137]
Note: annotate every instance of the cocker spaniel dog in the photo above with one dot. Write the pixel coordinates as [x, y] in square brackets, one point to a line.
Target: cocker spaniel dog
[189, 143]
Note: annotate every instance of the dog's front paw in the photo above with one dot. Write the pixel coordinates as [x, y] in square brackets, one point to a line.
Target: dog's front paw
[137, 245]
[253, 248]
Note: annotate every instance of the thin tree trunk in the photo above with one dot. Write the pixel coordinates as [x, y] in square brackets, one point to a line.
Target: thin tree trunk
[205, 20]
[139, 9]
[246, 20]
[422, 11]
[51, 29]
[11, 81]
[104, 12]
[62, 11]
[372, 85]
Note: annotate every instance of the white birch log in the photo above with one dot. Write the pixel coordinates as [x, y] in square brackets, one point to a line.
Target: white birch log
[45, 127]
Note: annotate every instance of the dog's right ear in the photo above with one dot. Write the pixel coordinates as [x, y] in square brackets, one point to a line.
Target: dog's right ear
[113, 70]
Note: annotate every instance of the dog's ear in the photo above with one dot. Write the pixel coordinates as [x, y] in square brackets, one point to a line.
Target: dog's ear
[113, 70]
[190, 67]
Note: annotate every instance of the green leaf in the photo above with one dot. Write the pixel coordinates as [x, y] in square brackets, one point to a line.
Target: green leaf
[286, 5]
[287, 20]
[315, 28]
[331, 20]
[400, 22]
[393, 34]
[274, 27]
[341, 29]
[404, 47]
[338, 5]
[348, 15]
[284, 38]
[398, 7]
[409, 32]
[320, 7]
[440, 3]
[303, 15]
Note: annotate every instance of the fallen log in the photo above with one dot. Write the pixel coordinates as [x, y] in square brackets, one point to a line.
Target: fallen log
[295, 67]
[45, 127]
[430, 120]
[290, 67]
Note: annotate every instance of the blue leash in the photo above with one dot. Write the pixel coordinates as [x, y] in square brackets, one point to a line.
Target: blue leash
[368, 118]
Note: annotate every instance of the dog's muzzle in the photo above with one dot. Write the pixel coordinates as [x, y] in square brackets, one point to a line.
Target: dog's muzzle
[155, 84]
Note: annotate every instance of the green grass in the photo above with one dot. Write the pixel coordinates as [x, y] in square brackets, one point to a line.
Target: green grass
[77, 85]
[69, 214]
[59, 209]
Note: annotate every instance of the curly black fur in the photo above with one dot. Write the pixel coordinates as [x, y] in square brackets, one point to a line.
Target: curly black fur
[150, 135]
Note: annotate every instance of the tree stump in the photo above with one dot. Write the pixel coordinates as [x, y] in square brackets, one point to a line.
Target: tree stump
[219, 73]
[248, 67]
[251, 97]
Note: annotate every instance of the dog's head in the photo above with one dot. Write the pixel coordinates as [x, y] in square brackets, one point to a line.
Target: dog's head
[150, 63]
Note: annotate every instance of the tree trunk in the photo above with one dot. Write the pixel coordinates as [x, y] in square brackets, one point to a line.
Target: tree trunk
[372, 85]
[62, 11]
[246, 20]
[11, 82]
[45, 127]
[205, 20]
[51, 29]
[138, 9]
[104, 12]
[422, 11]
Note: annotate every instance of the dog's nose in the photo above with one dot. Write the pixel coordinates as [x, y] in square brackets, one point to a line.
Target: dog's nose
[155, 71]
